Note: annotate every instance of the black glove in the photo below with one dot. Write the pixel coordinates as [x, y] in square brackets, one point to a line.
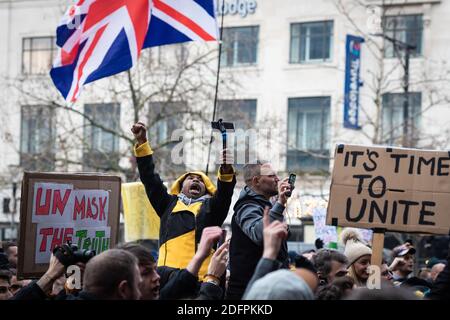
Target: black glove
[318, 243]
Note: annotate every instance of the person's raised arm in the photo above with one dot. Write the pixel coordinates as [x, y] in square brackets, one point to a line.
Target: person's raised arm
[154, 187]
[209, 236]
[221, 200]
[274, 233]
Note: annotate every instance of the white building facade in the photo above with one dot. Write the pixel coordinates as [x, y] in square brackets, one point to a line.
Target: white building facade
[288, 61]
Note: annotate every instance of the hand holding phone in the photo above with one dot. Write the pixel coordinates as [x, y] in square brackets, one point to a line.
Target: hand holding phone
[291, 180]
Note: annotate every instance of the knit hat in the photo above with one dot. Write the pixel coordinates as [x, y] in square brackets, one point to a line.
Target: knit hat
[355, 247]
[280, 285]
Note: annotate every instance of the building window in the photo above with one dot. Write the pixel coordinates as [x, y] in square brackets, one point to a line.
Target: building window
[242, 113]
[37, 138]
[308, 134]
[407, 29]
[311, 42]
[101, 147]
[240, 46]
[393, 118]
[38, 54]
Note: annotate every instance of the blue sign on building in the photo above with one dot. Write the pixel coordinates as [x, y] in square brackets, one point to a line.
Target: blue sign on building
[352, 81]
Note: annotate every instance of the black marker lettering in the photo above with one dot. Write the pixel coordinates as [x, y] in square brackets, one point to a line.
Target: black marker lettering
[361, 178]
[383, 187]
[424, 161]
[361, 212]
[441, 166]
[371, 154]
[397, 158]
[355, 155]
[424, 213]
[374, 207]
[406, 212]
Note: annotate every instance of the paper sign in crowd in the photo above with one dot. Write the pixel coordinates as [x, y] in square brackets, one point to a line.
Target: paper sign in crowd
[63, 213]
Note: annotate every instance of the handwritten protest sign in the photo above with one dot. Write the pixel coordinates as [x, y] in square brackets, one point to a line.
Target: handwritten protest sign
[56, 208]
[141, 220]
[394, 189]
[328, 234]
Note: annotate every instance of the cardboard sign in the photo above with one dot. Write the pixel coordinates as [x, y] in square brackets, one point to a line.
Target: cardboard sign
[55, 208]
[394, 189]
[141, 220]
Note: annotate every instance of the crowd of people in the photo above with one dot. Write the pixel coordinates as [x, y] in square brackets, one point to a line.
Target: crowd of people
[195, 261]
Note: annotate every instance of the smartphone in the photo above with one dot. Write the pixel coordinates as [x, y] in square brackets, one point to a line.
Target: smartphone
[222, 238]
[291, 180]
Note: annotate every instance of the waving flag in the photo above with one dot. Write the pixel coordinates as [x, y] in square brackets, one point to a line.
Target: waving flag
[100, 38]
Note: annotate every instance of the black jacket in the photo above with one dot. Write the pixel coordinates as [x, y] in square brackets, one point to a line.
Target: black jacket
[182, 224]
[246, 245]
[184, 285]
[441, 287]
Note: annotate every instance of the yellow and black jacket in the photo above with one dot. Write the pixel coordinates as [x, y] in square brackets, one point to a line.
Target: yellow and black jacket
[181, 224]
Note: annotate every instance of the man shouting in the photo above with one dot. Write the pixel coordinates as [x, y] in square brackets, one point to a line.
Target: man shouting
[192, 204]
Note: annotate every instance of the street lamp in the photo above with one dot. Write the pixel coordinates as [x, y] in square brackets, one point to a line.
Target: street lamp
[407, 48]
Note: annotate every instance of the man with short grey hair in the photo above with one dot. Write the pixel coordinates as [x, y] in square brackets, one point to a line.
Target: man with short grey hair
[246, 247]
[112, 275]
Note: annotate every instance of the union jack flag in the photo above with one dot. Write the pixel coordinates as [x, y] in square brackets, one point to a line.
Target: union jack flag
[100, 38]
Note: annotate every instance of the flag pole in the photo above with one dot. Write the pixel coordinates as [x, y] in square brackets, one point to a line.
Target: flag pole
[217, 85]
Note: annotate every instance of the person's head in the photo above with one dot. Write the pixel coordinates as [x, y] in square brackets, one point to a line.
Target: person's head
[261, 178]
[405, 252]
[113, 275]
[147, 267]
[5, 284]
[358, 255]
[280, 285]
[10, 249]
[17, 284]
[359, 269]
[435, 270]
[337, 290]
[330, 264]
[193, 186]
[425, 274]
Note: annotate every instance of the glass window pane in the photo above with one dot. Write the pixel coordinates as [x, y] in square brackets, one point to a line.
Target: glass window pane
[310, 130]
[317, 46]
[393, 117]
[315, 41]
[98, 139]
[406, 28]
[38, 55]
[240, 45]
[313, 130]
[42, 43]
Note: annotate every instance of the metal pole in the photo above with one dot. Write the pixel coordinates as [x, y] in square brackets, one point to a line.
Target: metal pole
[217, 85]
[406, 140]
[14, 194]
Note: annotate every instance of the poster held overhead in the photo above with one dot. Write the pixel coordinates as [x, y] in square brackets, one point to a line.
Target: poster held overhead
[56, 208]
[396, 189]
[390, 189]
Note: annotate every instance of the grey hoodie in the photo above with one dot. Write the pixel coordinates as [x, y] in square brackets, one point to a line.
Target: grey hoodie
[249, 215]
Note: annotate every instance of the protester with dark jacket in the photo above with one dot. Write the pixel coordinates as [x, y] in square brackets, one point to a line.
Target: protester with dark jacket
[270, 282]
[441, 287]
[185, 282]
[192, 204]
[246, 247]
